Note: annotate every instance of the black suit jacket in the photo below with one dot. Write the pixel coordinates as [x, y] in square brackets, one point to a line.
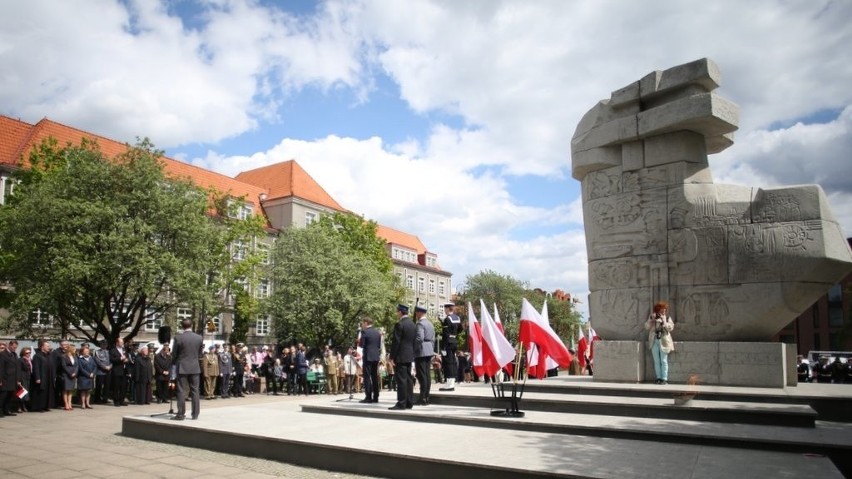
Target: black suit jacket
[371, 343]
[402, 346]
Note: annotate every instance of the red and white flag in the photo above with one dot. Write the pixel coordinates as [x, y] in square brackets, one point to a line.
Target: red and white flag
[497, 320]
[474, 336]
[535, 330]
[497, 351]
[582, 346]
[593, 338]
[21, 393]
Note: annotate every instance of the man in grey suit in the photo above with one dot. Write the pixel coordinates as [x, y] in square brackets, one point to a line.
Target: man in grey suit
[188, 347]
[401, 356]
[424, 350]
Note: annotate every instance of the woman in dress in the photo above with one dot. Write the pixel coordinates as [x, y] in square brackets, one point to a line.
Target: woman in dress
[659, 326]
[69, 375]
[86, 370]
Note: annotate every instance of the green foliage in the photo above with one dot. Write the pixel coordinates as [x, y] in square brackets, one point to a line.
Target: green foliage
[507, 292]
[104, 245]
[323, 286]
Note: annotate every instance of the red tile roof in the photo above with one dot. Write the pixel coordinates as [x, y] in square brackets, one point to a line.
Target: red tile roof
[288, 179]
[280, 180]
[17, 139]
[401, 238]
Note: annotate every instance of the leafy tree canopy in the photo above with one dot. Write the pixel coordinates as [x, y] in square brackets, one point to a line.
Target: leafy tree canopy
[104, 245]
[323, 286]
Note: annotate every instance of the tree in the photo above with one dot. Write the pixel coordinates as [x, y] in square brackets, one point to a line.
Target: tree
[492, 288]
[322, 287]
[105, 245]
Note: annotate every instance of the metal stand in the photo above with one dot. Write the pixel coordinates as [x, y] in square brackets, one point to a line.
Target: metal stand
[514, 400]
[349, 387]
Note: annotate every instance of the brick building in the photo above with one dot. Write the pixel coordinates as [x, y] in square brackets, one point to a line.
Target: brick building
[283, 192]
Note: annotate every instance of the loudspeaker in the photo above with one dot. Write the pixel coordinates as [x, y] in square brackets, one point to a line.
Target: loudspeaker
[164, 335]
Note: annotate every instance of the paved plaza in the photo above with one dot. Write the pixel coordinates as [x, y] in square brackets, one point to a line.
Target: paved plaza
[87, 444]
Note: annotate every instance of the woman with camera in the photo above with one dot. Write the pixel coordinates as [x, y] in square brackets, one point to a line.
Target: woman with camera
[659, 326]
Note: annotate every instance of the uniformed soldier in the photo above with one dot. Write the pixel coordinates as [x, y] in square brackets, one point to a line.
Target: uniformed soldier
[225, 372]
[210, 371]
[451, 326]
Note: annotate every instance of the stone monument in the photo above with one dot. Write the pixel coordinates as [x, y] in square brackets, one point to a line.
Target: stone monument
[735, 263]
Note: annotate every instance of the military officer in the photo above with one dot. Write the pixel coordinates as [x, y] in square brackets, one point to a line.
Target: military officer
[450, 328]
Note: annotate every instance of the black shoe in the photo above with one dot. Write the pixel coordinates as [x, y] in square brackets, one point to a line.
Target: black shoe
[397, 407]
[409, 406]
[178, 418]
[421, 403]
[194, 418]
[365, 401]
[446, 389]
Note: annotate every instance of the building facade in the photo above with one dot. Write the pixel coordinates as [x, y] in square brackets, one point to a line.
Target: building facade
[284, 193]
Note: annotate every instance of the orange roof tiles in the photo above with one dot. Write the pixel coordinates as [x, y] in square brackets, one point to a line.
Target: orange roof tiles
[280, 180]
[287, 179]
[17, 139]
[397, 237]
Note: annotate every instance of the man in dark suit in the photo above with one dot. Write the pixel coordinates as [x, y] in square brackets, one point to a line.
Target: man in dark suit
[401, 356]
[371, 344]
[186, 357]
[10, 379]
[119, 358]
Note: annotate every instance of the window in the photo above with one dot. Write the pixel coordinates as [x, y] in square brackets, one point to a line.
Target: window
[241, 211]
[835, 294]
[441, 290]
[433, 311]
[409, 282]
[154, 321]
[817, 343]
[262, 289]
[263, 252]
[835, 315]
[421, 284]
[41, 319]
[431, 286]
[239, 250]
[7, 185]
[815, 314]
[183, 313]
[261, 326]
[310, 217]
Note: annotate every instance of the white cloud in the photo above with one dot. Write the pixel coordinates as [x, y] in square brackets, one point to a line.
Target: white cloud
[518, 75]
[815, 153]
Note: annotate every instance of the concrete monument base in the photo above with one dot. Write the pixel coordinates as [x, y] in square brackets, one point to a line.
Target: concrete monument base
[714, 363]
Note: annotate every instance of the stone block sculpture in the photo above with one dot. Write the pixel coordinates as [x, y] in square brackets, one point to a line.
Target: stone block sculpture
[735, 263]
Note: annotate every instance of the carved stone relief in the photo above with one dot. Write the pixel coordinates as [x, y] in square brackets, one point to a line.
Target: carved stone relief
[734, 262]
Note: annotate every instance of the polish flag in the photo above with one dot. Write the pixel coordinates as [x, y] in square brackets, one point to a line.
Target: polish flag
[540, 363]
[582, 345]
[497, 351]
[474, 334]
[593, 337]
[536, 330]
[497, 320]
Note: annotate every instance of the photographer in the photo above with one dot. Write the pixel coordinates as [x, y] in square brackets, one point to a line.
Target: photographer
[659, 326]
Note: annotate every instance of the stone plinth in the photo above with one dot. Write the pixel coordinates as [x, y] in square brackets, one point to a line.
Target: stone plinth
[718, 363]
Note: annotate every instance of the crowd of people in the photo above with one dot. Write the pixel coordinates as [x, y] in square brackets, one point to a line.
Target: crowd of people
[825, 370]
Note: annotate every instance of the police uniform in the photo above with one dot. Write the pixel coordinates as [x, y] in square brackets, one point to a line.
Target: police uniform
[450, 328]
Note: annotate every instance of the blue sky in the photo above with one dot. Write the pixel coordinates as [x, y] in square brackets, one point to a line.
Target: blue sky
[449, 120]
